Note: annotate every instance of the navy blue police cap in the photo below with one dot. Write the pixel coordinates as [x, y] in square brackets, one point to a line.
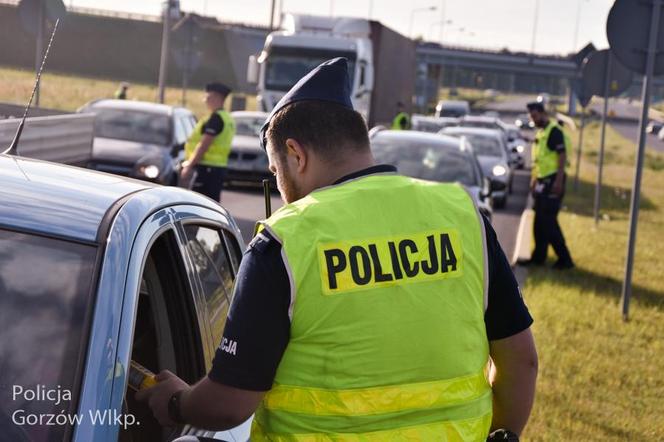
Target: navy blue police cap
[327, 82]
[219, 88]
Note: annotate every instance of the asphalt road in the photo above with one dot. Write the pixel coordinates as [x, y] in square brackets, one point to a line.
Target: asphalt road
[631, 132]
[247, 206]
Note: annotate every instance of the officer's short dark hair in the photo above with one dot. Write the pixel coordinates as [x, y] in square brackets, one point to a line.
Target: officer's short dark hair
[535, 106]
[217, 87]
[326, 128]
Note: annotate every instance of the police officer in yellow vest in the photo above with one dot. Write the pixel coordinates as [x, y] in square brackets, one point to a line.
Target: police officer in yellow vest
[121, 92]
[367, 307]
[549, 154]
[402, 120]
[209, 145]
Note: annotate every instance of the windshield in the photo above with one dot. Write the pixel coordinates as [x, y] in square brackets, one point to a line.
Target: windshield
[427, 161]
[486, 146]
[141, 127]
[285, 66]
[43, 336]
[248, 126]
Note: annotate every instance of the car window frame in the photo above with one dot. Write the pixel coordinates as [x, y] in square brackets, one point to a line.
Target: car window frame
[185, 215]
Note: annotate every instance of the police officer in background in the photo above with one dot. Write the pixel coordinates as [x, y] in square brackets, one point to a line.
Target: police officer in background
[402, 120]
[550, 153]
[368, 306]
[121, 92]
[209, 145]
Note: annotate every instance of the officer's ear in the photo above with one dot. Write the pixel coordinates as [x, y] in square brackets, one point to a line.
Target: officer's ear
[297, 154]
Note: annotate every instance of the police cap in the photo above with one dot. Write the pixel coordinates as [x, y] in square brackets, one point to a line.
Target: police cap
[327, 82]
[535, 106]
[219, 88]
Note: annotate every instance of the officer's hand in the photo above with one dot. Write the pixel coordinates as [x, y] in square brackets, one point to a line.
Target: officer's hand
[157, 397]
[557, 188]
[187, 171]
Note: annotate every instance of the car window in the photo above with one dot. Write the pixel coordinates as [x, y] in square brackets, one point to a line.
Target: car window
[181, 130]
[215, 271]
[44, 296]
[426, 161]
[487, 146]
[129, 125]
[248, 126]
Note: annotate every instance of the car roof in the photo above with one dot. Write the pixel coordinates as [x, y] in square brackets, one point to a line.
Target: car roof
[419, 137]
[58, 200]
[480, 119]
[250, 114]
[482, 131]
[139, 106]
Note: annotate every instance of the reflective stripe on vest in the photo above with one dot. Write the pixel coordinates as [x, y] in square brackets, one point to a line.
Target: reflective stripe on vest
[217, 153]
[387, 338]
[397, 122]
[545, 160]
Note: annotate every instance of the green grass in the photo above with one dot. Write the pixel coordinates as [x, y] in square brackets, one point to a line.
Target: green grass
[599, 376]
[67, 92]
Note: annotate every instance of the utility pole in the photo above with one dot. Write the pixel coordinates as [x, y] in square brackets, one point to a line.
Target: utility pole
[532, 43]
[163, 64]
[272, 15]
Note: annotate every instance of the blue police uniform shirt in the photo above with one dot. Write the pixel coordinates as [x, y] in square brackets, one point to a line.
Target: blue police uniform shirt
[258, 326]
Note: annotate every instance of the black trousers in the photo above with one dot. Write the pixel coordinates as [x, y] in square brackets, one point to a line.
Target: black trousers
[546, 228]
[209, 181]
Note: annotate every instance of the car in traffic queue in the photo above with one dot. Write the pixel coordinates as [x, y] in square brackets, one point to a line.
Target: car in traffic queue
[434, 157]
[431, 124]
[524, 122]
[515, 158]
[517, 145]
[491, 152]
[139, 139]
[97, 271]
[452, 108]
[247, 161]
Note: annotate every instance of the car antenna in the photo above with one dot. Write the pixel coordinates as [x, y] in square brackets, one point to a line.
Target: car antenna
[13, 149]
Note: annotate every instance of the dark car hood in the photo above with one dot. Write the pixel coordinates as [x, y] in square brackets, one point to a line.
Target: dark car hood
[246, 143]
[124, 151]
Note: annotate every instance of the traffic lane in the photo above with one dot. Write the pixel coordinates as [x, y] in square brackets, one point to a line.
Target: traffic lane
[247, 205]
[631, 132]
[506, 220]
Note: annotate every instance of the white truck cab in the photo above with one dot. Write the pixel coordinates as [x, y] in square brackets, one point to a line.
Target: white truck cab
[303, 43]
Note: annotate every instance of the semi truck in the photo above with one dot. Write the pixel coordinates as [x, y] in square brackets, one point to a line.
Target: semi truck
[381, 62]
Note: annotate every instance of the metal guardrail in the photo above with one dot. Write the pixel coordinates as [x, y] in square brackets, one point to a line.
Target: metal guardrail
[61, 139]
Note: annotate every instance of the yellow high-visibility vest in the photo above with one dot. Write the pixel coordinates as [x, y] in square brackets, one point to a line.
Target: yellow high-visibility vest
[217, 153]
[388, 282]
[545, 160]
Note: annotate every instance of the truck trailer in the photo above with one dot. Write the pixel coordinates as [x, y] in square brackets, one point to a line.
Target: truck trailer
[381, 62]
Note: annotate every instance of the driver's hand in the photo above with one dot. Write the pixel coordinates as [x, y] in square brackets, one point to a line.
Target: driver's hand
[157, 397]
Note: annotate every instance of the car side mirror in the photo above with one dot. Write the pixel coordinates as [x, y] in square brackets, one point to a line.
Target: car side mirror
[176, 149]
[252, 70]
[486, 187]
[514, 149]
[496, 185]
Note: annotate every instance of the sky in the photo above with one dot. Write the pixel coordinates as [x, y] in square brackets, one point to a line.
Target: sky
[490, 24]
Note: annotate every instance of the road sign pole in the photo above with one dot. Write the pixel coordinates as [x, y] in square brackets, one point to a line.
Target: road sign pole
[636, 188]
[600, 164]
[579, 148]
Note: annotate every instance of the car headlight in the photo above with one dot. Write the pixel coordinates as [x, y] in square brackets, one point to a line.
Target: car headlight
[520, 148]
[150, 171]
[499, 170]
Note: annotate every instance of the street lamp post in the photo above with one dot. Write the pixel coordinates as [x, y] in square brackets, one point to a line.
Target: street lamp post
[412, 16]
[532, 45]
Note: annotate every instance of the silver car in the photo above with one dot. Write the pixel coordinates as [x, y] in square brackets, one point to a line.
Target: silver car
[247, 161]
[490, 148]
[97, 270]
